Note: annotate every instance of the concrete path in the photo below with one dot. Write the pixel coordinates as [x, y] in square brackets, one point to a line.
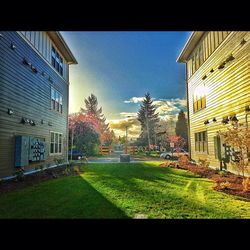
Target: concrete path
[115, 158]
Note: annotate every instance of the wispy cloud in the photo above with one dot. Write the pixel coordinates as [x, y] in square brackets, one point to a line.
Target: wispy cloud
[134, 100]
[166, 108]
[119, 126]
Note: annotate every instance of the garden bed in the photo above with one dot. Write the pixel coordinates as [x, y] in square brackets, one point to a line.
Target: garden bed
[225, 181]
[37, 177]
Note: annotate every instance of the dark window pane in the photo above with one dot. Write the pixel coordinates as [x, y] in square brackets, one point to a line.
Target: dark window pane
[60, 148]
[51, 148]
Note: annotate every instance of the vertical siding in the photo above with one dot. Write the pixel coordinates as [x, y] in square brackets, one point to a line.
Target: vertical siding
[43, 44]
[29, 95]
[228, 91]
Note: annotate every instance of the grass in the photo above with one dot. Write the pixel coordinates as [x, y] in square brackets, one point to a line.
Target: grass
[122, 190]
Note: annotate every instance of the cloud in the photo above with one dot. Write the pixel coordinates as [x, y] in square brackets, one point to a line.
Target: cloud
[126, 114]
[119, 126]
[134, 100]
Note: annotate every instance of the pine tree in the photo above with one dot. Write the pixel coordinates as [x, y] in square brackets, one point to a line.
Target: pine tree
[148, 120]
[91, 109]
[181, 126]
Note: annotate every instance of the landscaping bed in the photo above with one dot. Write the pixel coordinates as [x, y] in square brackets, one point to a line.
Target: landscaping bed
[23, 181]
[225, 181]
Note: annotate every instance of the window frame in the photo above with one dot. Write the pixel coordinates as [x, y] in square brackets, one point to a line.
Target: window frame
[56, 100]
[201, 142]
[55, 143]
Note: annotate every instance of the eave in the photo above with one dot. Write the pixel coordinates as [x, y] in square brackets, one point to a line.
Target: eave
[61, 45]
[189, 46]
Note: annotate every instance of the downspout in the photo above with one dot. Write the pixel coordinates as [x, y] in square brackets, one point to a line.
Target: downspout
[188, 120]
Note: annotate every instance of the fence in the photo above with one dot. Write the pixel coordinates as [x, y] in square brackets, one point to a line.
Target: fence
[105, 150]
[132, 149]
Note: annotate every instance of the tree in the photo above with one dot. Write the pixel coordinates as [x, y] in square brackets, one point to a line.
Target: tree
[238, 138]
[91, 108]
[94, 115]
[181, 128]
[148, 120]
[86, 138]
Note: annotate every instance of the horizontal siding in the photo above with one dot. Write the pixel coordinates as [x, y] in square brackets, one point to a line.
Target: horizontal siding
[28, 94]
[228, 90]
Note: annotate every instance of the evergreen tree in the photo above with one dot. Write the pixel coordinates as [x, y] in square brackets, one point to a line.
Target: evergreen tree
[91, 109]
[148, 120]
[181, 128]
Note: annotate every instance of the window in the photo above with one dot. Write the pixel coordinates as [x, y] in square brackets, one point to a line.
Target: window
[201, 141]
[57, 61]
[55, 143]
[56, 101]
[199, 98]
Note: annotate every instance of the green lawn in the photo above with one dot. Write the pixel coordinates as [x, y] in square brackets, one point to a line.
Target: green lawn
[121, 191]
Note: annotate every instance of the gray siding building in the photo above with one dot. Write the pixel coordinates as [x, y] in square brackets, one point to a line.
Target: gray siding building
[34, 92]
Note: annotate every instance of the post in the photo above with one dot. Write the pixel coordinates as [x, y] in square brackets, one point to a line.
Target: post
[72, 139]
[126, 143]
[147, 130]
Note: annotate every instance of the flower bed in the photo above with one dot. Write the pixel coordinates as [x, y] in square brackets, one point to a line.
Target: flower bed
[225, 181]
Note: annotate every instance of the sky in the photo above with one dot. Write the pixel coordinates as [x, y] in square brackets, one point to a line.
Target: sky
[120, 67]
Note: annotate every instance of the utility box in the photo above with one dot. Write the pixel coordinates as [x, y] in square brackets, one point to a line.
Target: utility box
[124, 158]
[37, 149]
[21, 151]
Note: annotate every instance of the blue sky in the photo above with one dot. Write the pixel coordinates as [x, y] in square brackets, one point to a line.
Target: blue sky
[120, 67]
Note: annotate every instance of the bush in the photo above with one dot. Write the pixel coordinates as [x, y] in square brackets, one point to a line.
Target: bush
[224, 185]
[246, 184]
[19, 173]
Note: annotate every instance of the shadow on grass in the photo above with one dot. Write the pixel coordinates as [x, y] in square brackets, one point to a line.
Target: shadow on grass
[69, 197]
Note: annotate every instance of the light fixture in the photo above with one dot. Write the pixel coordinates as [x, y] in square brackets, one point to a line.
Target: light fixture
[222, 65]
[10, 111]
[243, 41]
[214, 119]
[204, 77]
[233, 118]
[225, 120]
[12, 46]
[50, 79]
[24, 120]
[230, 58]
[34, 69]
[32, 123]
[206, 122]
[247, 108]
[212, 70]
[25, 61]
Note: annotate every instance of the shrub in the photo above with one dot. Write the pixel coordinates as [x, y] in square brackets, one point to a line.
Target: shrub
[204, 163]
[246, 184]
[19, 173]
[224, 185]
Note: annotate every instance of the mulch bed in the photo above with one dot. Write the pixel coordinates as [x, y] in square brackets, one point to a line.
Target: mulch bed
[35, 178]
[234, 182]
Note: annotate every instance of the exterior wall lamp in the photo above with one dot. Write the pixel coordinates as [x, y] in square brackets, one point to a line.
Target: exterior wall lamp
[10, 111]
[233, 118]
[206, 122]
[204, 77]
[12, 46]
[214, 119]
[225, 120]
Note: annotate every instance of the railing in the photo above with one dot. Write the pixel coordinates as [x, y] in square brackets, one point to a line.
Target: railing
[105, 150]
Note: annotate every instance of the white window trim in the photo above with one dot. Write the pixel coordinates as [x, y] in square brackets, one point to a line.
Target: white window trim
[53, 154]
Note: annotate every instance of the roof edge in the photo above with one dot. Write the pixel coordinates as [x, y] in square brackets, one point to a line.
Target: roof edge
[189, 46]
[62, 46]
